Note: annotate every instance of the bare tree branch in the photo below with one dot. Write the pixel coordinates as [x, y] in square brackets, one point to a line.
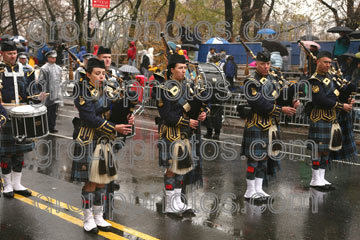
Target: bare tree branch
[110, 10]
[160, 9]
[271, 7]
[336, 15]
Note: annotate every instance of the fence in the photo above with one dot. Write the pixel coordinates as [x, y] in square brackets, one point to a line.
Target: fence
[298, 119]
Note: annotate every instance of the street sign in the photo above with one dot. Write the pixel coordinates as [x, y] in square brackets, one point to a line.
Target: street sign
[101, 3]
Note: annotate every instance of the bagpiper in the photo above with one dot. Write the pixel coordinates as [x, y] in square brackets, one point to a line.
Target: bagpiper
[324, 127]
[264, 93]
[175, 130]
[93, 133]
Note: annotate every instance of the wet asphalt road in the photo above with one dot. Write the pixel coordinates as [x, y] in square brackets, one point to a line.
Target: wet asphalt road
[221, 211]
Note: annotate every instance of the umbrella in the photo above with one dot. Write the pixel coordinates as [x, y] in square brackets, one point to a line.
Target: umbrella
[275, 46]
[355, 34]
[129, 69]
[189, 47]
[339, 29]
[217, 40]
[18, 39]
[266, 31]
[309, 37]
[345, 55]
[171, 45]
[309, 43]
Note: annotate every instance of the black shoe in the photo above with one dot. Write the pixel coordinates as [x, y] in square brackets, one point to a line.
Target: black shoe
[208, 136]
[116, 186]
[189, 213]
[324, 188]
[53, 131]
[8, 194]
[93, 231]
[104, 229]
[25, 193]
[216, 137]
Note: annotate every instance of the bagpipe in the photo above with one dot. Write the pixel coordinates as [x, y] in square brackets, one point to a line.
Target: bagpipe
[249, 52]
[123, 98]
[244, 110]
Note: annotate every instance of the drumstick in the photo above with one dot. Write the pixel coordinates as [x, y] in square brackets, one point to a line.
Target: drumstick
[12, 104]
[38, 95]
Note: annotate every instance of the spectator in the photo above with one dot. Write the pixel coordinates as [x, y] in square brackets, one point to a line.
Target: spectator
[341, 46]
[81, 53]
[147, 61]
[230, 70]
[96, 48]
[349, 66]
[210, 54]
[276, 60]
[215, 59]
[222, 57]
[41, 54]
[186, 55]
[131, 54]
[178, 50]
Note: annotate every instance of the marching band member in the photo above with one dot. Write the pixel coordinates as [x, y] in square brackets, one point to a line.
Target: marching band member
[51, 76]
[175, 129]
[94, 132]
[264, 95]
[12, 152]
[105, 55]
[324, 128]
[80, 72]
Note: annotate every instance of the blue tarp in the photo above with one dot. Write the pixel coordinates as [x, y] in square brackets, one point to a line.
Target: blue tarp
[238, 51]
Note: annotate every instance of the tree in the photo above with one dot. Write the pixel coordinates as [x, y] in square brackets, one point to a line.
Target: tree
[350, 15]
[79, 7]
[229, 15]
[248, 12]
[170, 16]
[134, 17]
[13, 17]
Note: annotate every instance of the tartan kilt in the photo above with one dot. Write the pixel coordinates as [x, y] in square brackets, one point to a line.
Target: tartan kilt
[320, 133]
[194, 178]
[348, 150]
[80, 170]
[252, 134]
[164, 152]
[9, 145]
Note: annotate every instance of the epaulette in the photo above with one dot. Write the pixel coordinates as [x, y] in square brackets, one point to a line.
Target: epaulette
[315, 77]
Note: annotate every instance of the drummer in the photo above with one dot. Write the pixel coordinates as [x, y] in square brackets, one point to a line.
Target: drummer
[12, 152]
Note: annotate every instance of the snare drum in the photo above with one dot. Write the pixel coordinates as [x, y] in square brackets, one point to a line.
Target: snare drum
[29, 121]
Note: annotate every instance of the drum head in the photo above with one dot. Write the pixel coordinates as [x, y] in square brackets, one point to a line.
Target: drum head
[28, 110]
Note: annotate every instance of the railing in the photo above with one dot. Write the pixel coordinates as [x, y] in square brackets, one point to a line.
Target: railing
[299, 119]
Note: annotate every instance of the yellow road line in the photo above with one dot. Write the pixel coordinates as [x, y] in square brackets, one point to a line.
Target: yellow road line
[79, 211]
[64, 216]
[132, 231]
